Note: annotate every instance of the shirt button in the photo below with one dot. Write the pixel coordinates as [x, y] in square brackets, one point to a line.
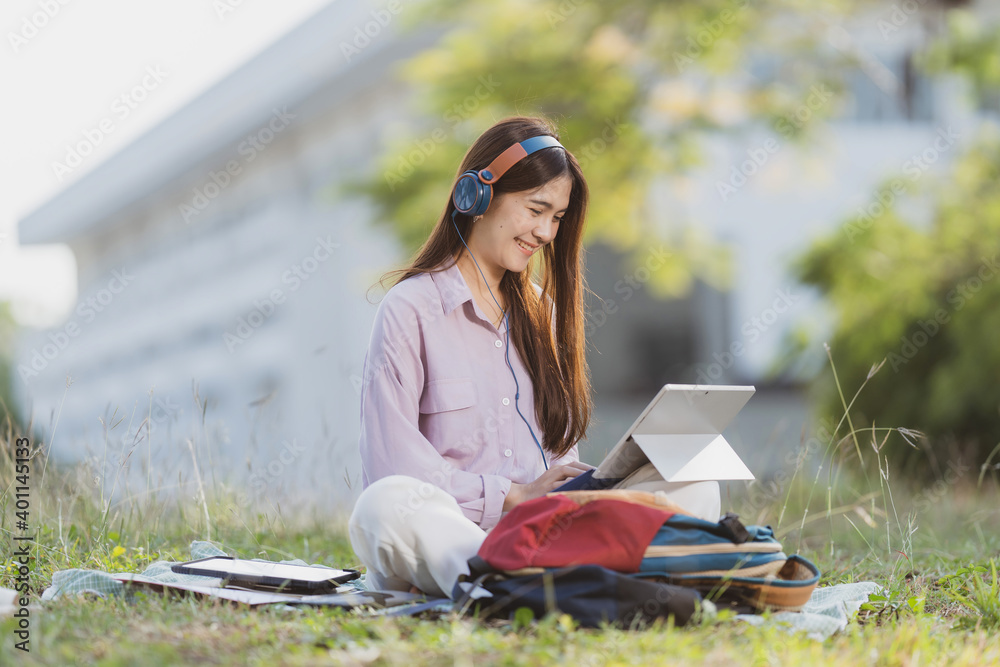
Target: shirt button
[506, 401]
[498, 343]
[507, 453]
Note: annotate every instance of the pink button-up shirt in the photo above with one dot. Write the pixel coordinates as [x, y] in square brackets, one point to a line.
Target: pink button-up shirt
[437, 398]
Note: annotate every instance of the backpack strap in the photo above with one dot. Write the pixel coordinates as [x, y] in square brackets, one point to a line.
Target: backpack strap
[737, 531]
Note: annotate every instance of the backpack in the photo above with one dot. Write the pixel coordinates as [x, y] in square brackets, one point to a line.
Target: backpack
[616, 555]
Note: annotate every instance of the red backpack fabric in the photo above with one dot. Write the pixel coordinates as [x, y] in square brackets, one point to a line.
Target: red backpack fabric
[557, 531]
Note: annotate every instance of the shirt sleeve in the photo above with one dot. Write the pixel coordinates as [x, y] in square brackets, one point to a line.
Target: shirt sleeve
[391, 442]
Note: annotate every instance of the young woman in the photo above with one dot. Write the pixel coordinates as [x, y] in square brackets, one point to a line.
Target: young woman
[476, 388]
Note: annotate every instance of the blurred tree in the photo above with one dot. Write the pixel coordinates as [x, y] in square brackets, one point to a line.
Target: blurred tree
[634, 88]
[969, 48]
[924, 297]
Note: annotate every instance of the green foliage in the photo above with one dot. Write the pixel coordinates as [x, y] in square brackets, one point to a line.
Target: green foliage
[7, 331]
[634, 87]
[72, 530]
[981, 597]
[908, 625]
[523, 617]
[923, 298]
[970, 48]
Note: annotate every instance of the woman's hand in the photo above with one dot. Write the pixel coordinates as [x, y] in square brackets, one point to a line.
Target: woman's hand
[548, 480]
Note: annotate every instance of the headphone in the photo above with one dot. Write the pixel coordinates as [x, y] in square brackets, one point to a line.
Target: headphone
[472, 195]
[474, 189]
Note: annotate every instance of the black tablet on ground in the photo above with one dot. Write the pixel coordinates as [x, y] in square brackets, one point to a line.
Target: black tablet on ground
[267, 575]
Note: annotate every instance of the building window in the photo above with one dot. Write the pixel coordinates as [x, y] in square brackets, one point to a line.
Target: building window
[887, 89]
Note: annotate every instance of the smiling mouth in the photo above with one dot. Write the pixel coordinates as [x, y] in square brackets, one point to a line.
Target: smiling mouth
[525, 246]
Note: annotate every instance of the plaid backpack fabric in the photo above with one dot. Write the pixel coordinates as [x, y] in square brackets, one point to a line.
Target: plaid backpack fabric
[640, 536]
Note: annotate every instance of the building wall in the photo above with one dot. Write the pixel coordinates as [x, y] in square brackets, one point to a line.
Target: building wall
[245, 300]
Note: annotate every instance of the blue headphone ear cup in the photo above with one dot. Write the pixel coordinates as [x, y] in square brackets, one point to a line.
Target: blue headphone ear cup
[471, 196]
[485, 196]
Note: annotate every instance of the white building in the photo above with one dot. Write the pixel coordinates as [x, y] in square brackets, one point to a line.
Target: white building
[211, 252]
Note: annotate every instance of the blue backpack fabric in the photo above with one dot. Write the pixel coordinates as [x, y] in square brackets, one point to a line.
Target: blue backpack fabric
[741, 566]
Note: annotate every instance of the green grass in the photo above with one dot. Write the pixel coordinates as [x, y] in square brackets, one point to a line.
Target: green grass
[934, 549]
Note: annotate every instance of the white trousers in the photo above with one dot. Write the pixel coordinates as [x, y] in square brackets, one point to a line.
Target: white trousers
[408, 532]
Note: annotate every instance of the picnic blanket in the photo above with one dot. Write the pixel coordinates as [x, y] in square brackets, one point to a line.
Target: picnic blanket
[829, 610]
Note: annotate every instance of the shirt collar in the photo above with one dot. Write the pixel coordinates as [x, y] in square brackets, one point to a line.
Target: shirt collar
[455, 291]
[452, 287]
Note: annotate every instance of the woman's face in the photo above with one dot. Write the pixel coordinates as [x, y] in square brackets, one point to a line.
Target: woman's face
[518, 224]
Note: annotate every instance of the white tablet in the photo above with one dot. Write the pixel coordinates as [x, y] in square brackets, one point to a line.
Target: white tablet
[680, 433]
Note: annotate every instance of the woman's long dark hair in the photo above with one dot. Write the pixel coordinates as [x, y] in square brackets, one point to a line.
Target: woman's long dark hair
[558, 369]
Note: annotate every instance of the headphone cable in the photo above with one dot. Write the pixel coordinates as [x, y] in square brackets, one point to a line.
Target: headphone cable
[506, 319]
